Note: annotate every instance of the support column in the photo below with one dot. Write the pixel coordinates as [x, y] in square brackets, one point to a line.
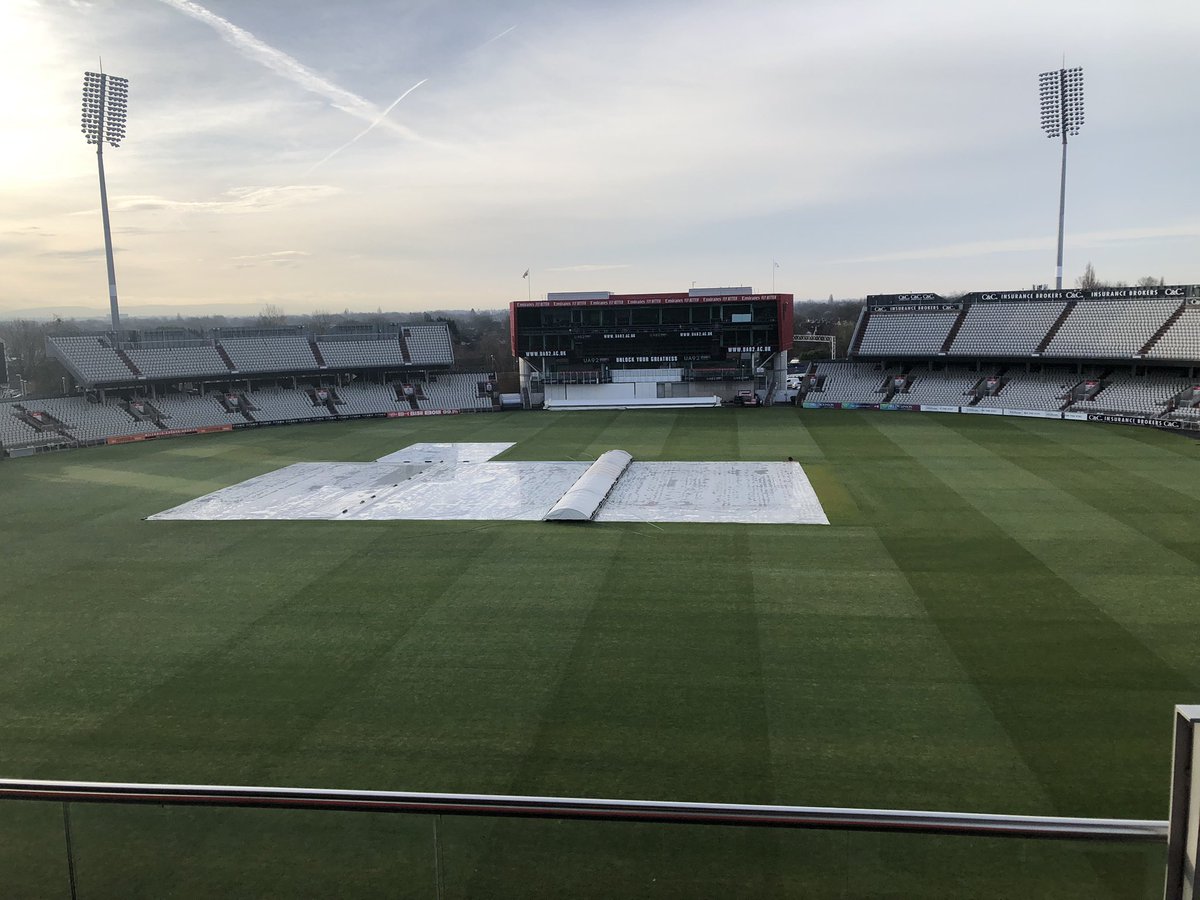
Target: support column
[526, 375]
[1183, 844]
[781, 373]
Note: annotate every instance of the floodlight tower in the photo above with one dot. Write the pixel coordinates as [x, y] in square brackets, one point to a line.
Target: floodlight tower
[1062, 114]
[104, 102]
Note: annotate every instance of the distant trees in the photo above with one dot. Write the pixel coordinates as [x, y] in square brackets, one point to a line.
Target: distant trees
[322, 320]
[1089, 281]
[836, 317]
[271, 316]
[482, 337]
[25, 344]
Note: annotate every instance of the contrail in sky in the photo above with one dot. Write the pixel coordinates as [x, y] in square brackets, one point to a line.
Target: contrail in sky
[507, 30]
[353, 140]
[292, 69]
[384, 115]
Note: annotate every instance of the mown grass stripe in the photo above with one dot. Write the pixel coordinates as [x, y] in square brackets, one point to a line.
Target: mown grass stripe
[1067, 677]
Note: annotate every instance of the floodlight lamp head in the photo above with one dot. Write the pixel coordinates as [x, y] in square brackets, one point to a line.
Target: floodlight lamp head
[105, 101]
[1061, 95]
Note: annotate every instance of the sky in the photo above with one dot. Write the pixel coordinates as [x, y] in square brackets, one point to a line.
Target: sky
[423, 154]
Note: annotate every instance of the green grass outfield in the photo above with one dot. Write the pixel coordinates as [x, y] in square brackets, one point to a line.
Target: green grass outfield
[999, 619]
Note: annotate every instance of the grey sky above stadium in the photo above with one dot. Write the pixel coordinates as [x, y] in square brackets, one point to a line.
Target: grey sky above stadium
[866, 146]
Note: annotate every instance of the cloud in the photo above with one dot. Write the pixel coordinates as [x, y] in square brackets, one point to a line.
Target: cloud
[970, 249]
[235, 200]
[29, 231]
[86, 253]
[274, 258]
[588, 267]
[290, 68]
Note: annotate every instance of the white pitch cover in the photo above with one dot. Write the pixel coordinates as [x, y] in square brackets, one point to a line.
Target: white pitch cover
[463, 485]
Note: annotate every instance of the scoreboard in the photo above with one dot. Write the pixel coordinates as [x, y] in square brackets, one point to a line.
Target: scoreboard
[599, 328]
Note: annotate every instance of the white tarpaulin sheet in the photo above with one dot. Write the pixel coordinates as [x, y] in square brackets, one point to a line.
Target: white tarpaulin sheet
[301, 491]
[583, 498]
[448, 453]
[749, 492]
[521, 491]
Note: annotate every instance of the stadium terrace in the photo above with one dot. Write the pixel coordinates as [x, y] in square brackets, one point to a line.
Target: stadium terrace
[1124, 355]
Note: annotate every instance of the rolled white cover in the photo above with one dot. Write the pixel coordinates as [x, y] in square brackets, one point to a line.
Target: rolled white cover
[583, 498]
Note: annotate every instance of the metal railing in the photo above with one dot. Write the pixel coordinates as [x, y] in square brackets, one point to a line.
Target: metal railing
[1181, 833]
[578, 808]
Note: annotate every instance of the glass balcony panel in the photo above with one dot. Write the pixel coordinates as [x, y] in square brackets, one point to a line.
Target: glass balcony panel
[154, 852]
[33, 853]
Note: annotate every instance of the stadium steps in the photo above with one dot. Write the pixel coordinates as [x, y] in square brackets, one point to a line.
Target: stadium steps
[151, 415]
[128, 362]
[155, 415]
[954, 329]
[404, 349]
[411, 399]
[48, 424]
[1058, 323]
[316, 352]
[226, 358]
[1086, 398]
[1171, 320]
[856, 343]
[330, 402]
[244, 409]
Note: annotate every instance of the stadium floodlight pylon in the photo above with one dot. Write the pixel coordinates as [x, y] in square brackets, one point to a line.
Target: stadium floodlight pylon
[105, 99]
[1061, 95]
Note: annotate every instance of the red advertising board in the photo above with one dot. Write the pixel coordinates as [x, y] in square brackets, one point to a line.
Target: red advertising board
[171, 432]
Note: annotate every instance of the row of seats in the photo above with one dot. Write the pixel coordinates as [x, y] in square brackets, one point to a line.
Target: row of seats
[1145, 395]
[182, 411]
[94, 361]
[1182, 339]
[1112, 328]
[429, 345]
[852, 382]
[279, 404]
[1033, 391]
[1005, 329]
[917, 333]
[458, 391]
[89, 421]
[85, 421]
[277, 354]
[16, 433]
[179, 362]
[955, 386]
[1098, 329]
[362, 354]
[948, 389]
